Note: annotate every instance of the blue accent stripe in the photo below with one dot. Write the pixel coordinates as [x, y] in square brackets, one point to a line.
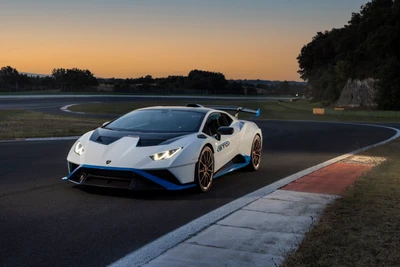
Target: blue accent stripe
[167, 185]
[257, 114]
[234, 167]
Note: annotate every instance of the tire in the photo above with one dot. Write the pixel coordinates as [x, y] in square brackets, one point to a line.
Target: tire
[255, 156]
[204, 170]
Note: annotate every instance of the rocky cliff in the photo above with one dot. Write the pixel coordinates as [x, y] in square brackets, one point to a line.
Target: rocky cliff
[358, 93]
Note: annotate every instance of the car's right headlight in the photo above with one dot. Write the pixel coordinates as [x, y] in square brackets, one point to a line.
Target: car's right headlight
[79, 149]
[165, 154]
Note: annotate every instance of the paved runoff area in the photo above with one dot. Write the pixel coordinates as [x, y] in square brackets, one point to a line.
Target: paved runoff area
[265, 231]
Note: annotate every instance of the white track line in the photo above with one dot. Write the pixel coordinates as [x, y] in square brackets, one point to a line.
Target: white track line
[66, 109]
[170, 240]
[41, 139]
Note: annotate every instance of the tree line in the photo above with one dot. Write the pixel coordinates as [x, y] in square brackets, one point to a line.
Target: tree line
[202, 82]
[65, 80]
[367, 47]
[196, 82]
[205, 82]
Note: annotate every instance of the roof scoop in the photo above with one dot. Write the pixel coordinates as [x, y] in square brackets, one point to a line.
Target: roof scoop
[193, 105]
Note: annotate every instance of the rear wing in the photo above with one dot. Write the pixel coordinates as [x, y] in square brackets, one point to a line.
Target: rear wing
[238, 110]
[230, 108]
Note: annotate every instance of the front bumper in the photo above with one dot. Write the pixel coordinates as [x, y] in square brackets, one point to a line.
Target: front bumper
[124, 178]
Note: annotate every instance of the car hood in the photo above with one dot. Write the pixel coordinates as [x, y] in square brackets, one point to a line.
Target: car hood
[125, 150]
[106, 137]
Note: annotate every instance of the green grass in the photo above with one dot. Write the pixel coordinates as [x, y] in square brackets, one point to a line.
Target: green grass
[363, 227]
[365, 113]
[298, 110]
[22, 124]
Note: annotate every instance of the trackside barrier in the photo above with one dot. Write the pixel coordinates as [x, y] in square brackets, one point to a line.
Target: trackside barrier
[319, 111]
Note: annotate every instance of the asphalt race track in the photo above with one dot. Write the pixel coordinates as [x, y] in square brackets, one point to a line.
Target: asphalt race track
[48, 222]
[52, 103]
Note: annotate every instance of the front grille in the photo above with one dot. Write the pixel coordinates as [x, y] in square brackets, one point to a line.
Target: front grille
[113, 179]
[108, 173]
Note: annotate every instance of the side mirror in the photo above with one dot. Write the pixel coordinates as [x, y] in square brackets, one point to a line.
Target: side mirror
[225, 130]
[104, 124]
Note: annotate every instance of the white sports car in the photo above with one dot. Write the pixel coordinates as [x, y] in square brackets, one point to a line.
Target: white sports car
[166, 148]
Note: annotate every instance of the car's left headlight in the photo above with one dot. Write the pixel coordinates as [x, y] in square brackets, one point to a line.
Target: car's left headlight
[79, 149]
[165, 154]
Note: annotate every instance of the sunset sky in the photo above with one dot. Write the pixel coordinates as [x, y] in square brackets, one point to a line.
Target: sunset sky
[244, 39]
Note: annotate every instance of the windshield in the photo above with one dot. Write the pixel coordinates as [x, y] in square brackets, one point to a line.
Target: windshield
[158, 120]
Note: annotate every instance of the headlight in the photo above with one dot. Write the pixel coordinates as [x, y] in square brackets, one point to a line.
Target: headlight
[165, 154]
[79, 148]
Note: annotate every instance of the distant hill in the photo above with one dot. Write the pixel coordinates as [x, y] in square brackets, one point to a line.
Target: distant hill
[269, 82]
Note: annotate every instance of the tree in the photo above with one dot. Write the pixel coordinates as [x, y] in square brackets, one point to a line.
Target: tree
[60, 76]
[367, 47]
[9, 76]
[74, 79]
[213, 82]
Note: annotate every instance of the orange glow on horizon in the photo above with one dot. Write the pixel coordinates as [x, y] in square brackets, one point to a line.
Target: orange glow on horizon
[240, 60]
[129, 39]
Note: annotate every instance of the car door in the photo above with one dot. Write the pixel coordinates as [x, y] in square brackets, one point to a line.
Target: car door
[225, 148]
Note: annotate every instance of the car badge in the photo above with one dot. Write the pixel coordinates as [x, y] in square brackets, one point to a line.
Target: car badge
[108, 161]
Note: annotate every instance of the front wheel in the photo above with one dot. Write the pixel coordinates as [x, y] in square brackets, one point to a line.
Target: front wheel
[204, 170]
[255, 157]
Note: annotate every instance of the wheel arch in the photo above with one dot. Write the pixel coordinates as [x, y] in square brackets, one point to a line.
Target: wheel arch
[210, 146]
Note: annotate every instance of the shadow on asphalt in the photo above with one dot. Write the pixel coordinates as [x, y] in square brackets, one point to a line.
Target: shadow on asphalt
[161, 194]
[139, 194]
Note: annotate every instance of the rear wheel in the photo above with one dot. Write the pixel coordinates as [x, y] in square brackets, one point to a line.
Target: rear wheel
[255, 157]
[204, 171]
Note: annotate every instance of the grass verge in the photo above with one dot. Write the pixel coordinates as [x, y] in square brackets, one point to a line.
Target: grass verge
[100, 93]
[298, 110]
[22, 124]
[363, 227]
